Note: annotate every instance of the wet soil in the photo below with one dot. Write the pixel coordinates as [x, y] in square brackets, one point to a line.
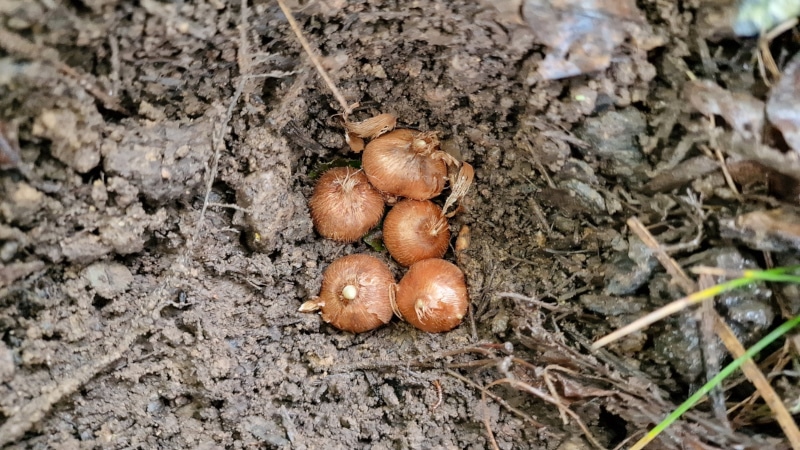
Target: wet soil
[155, 241]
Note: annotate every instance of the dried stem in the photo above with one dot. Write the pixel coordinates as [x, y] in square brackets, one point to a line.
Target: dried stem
[487, 424]
[530, 300]
[522, 386]
[439, 395]
[756, 376]
[485, 393]
[670, 265]
[346, 109]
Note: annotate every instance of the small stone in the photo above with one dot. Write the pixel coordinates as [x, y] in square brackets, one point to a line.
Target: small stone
[108, 279]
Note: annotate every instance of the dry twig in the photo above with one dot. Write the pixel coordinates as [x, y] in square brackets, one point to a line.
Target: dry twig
[439, 396]
[530, 300]
[777, 361]
[487, 424]
[670, 265]
[522, 386]
[346, 108]
[559, 403]
[497, 400]
[711, 354]
[754, 374]
[765, 59]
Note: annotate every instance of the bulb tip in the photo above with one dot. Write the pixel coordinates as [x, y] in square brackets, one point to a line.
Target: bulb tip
[349, 292]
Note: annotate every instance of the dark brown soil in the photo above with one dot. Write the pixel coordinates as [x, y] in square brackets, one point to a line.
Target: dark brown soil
[155, 240]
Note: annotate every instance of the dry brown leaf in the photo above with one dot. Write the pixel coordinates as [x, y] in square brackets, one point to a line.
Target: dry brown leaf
[372, 127]
[460, 186]
[782, 110]
[743, 112]
[777, 230]
[356, 143]
[583, 34]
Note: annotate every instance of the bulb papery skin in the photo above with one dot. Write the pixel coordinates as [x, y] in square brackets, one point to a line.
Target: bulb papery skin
[401, 163]
[415, 230]
[345, 206]
[371, 307]
[432, 296]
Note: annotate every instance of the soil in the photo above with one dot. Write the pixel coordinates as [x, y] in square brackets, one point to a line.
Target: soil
[156, 243]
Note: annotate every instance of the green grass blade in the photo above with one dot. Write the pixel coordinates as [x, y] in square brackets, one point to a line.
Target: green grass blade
[724, 373]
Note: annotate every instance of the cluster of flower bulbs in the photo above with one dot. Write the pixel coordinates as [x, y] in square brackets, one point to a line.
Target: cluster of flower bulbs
[406, 168]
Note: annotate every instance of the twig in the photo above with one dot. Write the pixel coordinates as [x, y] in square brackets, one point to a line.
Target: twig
[709, 64]
[113, 44]
[487, 424]
[642, 322]
[473, 328]
[539, 165]
[474, 364]
[243, 58]
[561, 299]
[683, 246]
[497, 400]
[229, 206]
[547, 398]
[673, 269]
[552, 388]
[539, 213]
[524, 298]
[439, 396]
[765, 55]
[778, 360]
[711, 354]
[726, 173]
[346, 109]
[717, 272]
[625, 442]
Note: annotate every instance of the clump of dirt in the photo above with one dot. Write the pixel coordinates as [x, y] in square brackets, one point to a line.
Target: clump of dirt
[155, 240]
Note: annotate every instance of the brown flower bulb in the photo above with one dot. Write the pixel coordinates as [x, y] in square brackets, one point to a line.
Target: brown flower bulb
[355, 294]
[415, 230]
[406, 163]
[432, 296]
[344, 205]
